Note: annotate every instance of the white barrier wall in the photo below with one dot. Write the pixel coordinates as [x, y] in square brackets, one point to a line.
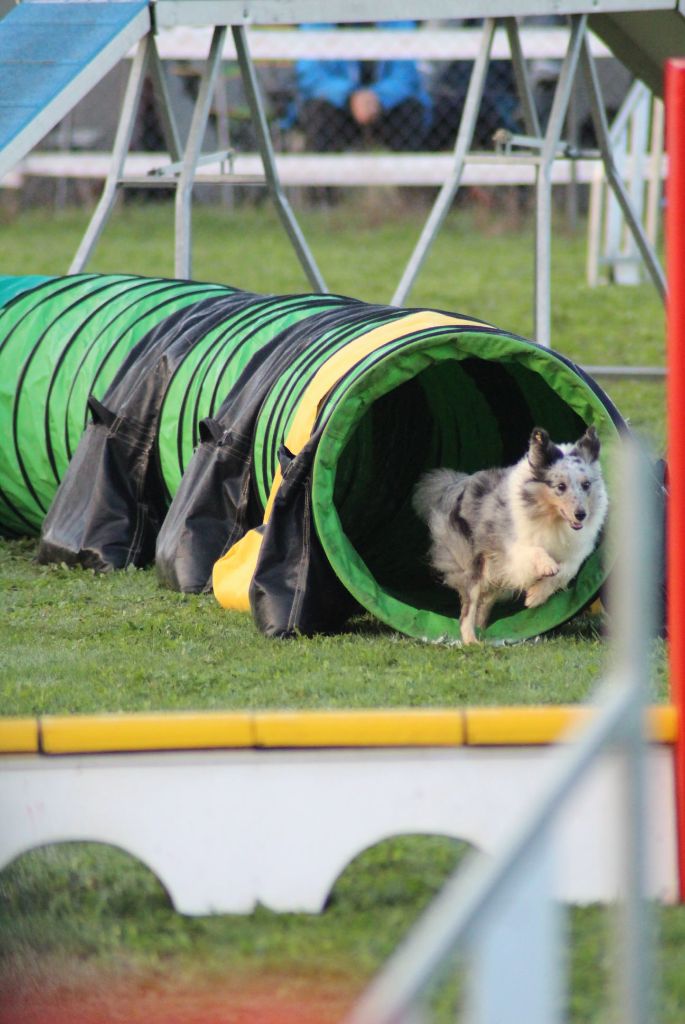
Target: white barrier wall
[227, 829]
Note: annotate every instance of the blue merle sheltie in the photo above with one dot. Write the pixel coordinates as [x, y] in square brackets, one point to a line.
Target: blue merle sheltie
[527, 528]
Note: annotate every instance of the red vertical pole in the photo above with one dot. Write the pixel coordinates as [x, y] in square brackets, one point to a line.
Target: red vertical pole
[675, 262]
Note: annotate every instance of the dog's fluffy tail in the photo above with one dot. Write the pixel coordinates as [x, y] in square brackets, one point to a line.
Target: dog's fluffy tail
[437, 491]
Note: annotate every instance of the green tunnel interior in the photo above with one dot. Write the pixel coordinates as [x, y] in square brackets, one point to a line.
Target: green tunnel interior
[447, 404]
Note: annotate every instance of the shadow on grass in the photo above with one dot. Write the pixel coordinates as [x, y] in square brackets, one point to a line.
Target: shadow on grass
[587, 626]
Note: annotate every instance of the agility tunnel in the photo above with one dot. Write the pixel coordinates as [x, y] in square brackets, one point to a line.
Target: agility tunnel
[268, 445]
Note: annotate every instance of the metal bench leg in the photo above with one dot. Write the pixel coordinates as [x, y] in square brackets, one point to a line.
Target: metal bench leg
[449, 189]
[261, 128]
[122, 142]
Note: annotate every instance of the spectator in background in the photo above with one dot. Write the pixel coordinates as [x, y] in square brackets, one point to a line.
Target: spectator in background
[343, 102]
[499, 107]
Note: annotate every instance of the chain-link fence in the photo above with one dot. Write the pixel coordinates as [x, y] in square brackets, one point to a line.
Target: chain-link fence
[393, 88]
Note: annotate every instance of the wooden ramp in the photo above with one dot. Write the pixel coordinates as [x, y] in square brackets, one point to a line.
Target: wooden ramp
[51, 56]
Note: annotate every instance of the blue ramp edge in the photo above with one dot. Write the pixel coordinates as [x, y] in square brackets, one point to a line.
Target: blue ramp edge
[50, 57]
[11, 286]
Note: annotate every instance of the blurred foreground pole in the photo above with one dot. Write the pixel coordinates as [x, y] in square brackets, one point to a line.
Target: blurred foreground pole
[675, 261]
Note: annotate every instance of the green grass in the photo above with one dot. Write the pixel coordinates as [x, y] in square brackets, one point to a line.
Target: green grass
[76, 642]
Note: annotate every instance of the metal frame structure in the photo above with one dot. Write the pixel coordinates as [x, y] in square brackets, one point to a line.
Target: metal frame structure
[539, 148]
[542, 150]
[182, 174]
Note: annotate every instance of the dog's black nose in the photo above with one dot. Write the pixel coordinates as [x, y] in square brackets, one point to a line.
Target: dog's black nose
[581, 514]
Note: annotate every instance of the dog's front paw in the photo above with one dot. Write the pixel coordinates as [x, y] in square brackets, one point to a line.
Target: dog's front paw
[538, 593]
[545, 565]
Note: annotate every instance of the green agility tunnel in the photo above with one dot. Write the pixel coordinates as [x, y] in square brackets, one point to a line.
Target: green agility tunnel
[271, 443]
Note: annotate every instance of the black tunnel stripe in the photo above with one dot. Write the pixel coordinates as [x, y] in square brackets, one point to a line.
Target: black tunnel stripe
[27, 365]
[206, 364]
[74, 341]
[328, 341]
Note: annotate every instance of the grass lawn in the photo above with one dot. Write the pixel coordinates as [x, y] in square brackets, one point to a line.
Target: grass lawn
[87, 934]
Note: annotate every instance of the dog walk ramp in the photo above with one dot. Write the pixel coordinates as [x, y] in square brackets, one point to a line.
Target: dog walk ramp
[51, 56]
[644, 40]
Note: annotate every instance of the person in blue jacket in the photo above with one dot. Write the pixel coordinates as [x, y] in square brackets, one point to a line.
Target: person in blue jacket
[342, 102]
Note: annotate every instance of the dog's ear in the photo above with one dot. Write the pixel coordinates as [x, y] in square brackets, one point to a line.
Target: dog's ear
[588, 446]
[542, 451]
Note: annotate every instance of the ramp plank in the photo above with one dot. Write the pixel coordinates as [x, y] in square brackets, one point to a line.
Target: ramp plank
[51, 55]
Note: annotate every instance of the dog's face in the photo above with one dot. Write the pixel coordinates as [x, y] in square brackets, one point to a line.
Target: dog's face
[570, 473]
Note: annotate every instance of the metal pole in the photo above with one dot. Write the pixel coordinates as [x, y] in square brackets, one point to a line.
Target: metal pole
[196, 134]
[543, 187]
[449, 189]
[523, 88]
[675, 258]
[604, 142]
[632, 603]
[122, 142]
[165, 109]
[261, 128]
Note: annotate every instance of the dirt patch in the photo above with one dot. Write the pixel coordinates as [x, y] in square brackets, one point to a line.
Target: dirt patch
[93, 998]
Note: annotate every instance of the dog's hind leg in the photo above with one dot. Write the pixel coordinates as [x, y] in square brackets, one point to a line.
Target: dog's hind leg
[470, 608]
[484, 609]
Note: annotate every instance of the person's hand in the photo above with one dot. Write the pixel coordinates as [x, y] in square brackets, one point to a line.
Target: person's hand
[365, 106]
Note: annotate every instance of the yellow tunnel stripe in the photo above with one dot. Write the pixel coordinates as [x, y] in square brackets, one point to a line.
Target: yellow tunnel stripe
[424, 727]
[233, 572]
[328, 375]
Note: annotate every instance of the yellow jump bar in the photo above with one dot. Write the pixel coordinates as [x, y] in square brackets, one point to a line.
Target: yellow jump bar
[425, 727]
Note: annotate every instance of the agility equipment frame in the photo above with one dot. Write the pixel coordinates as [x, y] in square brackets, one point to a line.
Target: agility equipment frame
[541, 149]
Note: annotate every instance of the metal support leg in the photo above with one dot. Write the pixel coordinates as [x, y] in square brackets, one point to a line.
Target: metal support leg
[633, 627]
[122, 142]
[449, 189]
[165, 110]
[543, 226]
[603, 140]
[261, 128]
[523, 88]
[196, 134]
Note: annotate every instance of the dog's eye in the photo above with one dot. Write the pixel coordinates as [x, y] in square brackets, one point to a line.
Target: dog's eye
[585, 485]
[561, 488]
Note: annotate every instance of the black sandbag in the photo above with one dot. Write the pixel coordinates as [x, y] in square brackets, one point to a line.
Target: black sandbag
[112, 500]
[307, 597]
